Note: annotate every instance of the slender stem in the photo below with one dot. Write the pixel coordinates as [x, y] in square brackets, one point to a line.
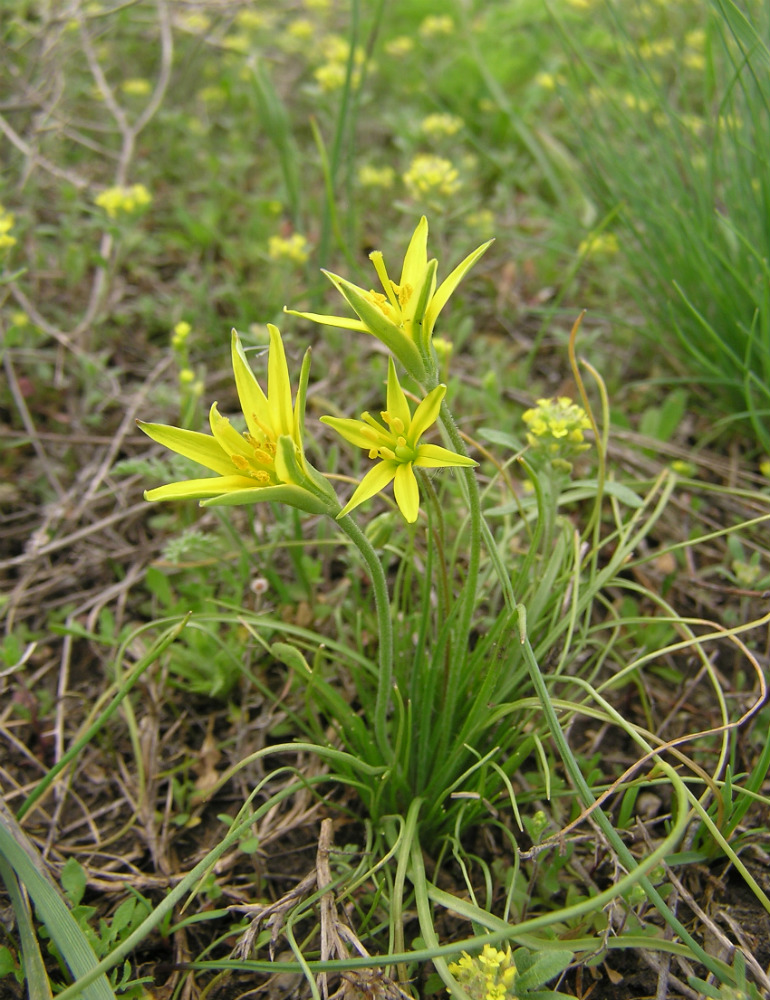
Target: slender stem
[474, 509]
[384, 627]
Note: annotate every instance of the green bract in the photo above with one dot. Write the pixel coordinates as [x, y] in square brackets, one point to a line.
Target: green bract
[404, 316]
[395, 442]
[266, 461]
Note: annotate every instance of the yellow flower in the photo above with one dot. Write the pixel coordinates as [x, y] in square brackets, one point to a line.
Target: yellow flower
[403, 318]
[399, 47]
[436, 24]
[438, 125]
[331, 76]
[136, 87]
[180, 334]
[599, 244]
[555, 430]
[431, 176]
[123, 200]
[395, 441]
[489, 976]
[376, 177]
[294, 248]
[267, 461]
[7, 221]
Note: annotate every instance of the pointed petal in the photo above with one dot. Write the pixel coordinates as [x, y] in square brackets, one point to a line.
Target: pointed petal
[416, 258]
[299, 404]
[342, 322]
[375, 480]
[398, 405]
[406, 492]
[418, 308]
[201, 448]
[426, 413]
[226, 436]
[356, 432]
[253, 401]
[278, 385]
[449, 284]
[191, 489]
[433, 456]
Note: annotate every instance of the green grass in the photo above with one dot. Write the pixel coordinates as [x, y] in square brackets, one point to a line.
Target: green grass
[219, 774]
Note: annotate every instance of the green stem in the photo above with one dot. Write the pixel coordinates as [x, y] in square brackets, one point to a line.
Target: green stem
[384, 627]
[474, 510]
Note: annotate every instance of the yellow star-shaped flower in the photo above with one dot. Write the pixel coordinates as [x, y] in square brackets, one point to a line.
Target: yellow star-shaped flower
[396, 442]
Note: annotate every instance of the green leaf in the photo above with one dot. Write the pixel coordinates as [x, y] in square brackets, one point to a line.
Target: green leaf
[73, 880]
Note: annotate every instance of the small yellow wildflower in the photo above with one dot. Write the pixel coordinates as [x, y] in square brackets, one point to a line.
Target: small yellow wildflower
[399, 47]
[430, 176]
[555, 431]
[7, 220]
[636, 103]
[237, 42]
[136, 87]
[764, 467]
[331, 76]
[695, 39]
[376, 177]
[186, 376]
[579, 4]
[482, 222]
[439, 125]
[251, 20]
[294, 248]
[683, 468]
[196, 22]
[435, 25]
[394, 440]
[546, 80]
[694, 60]
[489, 976]
[599, 244]
[123, 200]
[19, 319]
[180, 334]
[301, 28]
[267, 460]
[660, 47]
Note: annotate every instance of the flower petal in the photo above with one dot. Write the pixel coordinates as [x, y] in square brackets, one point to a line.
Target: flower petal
[426, 413]
[253, 401]
[227, 437]
[201, 448]
[449, 284]
[433, 456]
[356, 431]
[382, 273]
[375, 480]
[396, 400]
[406, 492]
[337, 321]
[190, 489]
[278, 385]
[416, 257]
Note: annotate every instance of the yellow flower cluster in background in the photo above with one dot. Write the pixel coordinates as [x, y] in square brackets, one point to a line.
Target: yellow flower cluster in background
[435, 25]
[555, 431]
[123, 200]
[331, 74]
[7, 221]
[376, 177]
[488, 976]
[294, 248]
[598, 245]
[430, 176]
[439, 125]
[136, 87]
